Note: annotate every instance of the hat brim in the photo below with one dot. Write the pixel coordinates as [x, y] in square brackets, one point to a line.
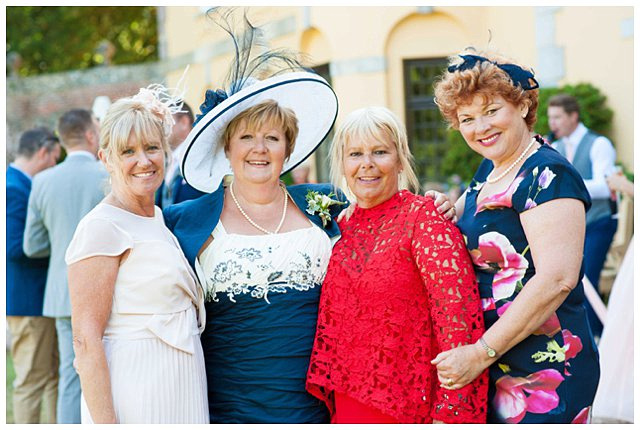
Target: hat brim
[314, 102]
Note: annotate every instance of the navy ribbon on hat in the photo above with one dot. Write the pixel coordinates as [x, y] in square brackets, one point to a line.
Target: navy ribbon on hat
[518, 75]
[211, 99]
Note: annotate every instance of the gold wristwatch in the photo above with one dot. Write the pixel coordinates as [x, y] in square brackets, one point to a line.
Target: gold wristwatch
[490, 351]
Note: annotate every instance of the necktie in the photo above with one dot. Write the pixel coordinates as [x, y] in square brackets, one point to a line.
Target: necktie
[570, 147]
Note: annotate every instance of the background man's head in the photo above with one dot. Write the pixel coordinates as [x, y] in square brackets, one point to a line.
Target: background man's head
[79, 129]
[564, 114]
[38, 149]
[182, 127]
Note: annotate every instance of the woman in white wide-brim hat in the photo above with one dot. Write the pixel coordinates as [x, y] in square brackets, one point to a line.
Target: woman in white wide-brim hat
[259, 248]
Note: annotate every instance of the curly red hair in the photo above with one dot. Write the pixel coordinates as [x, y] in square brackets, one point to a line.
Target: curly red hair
[485, 79]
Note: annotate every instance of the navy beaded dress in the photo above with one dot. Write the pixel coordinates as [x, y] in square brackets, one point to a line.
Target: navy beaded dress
[552, 375]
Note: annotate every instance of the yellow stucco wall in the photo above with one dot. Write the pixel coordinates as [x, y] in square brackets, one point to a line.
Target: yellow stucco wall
[596, 52]
[595, 47]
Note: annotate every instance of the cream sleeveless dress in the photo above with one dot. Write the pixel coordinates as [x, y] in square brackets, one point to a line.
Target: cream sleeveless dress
[152, 339]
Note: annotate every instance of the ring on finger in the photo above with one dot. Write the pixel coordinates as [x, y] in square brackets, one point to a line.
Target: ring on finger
[449, 382]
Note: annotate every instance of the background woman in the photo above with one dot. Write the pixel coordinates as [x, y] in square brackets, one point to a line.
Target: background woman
[523, 218]
[135, 303]
[400, 288]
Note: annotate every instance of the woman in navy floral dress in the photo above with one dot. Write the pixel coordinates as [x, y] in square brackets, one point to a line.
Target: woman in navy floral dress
[523, 217]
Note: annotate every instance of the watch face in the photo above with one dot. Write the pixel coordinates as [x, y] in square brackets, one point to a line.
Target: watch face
[491, 353]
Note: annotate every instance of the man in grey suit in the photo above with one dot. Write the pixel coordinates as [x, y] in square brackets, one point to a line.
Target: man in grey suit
[60, 197]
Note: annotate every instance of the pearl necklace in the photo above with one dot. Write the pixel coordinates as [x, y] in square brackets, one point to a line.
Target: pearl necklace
[514, 164]
[252, 222]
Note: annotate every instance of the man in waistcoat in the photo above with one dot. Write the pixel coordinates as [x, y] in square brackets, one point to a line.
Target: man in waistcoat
[34, 348]
[60, 198]
[174, 189]
[593, 156]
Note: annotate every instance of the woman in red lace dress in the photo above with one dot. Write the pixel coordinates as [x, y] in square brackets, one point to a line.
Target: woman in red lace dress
[399, 289]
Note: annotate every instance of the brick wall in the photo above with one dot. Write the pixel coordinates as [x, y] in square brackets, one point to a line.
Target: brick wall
[40, 100]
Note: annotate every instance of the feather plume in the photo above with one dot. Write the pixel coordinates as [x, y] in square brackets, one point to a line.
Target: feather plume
[252, 58]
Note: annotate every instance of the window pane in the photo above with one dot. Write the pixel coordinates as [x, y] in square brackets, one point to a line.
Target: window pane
[322, 153]
[425, 127]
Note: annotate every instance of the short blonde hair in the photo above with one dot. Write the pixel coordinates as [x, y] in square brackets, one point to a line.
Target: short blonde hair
[373, 123]
[484, 79]
[268, 112]
[125, 118]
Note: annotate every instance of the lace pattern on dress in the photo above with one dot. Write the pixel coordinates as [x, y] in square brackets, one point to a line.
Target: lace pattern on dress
[399, 289]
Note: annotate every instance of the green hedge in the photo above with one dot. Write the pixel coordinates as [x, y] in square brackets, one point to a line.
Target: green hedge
[594, 112]
[459, 158]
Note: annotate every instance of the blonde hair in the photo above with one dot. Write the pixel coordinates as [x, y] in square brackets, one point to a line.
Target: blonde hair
[484, 79]
[373, 123]
[125, 118]
[263, 113]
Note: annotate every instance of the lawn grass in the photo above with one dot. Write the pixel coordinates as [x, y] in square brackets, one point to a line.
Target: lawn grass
[11, 375]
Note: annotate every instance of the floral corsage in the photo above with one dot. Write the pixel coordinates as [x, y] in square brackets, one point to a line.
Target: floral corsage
[319, 204]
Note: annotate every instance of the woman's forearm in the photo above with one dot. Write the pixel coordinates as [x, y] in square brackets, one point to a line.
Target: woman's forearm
[91, 291]
[536, 303]
[95, 381]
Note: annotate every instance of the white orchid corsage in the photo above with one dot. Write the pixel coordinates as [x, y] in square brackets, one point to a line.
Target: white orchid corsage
[318, 203]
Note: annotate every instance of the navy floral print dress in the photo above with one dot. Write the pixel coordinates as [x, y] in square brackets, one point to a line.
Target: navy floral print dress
[551, 376]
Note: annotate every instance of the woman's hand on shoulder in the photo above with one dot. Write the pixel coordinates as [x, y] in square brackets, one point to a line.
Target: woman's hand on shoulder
[443, 205]
[346, 212]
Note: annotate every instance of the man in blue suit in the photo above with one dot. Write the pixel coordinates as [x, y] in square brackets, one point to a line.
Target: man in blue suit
[174, 189]
[60, 198]
[33, 337]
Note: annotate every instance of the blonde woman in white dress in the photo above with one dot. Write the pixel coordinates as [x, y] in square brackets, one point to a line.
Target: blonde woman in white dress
[137, 309]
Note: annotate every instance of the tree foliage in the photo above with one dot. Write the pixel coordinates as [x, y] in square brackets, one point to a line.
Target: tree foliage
[58, 38]
[459, 159]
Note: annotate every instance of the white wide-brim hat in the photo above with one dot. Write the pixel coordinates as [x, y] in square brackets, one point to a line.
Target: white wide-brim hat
[313, 101]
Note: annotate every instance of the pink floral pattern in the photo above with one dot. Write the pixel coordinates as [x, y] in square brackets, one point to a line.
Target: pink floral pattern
[550, 327]
[488, 304]
[536, 393]
[530, 204]
[500, 200]
[495, 253]
[572, 345]
[544, 180]
[582, 417]
[504, 199]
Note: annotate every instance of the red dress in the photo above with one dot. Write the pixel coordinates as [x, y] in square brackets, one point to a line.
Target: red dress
[400, 288]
